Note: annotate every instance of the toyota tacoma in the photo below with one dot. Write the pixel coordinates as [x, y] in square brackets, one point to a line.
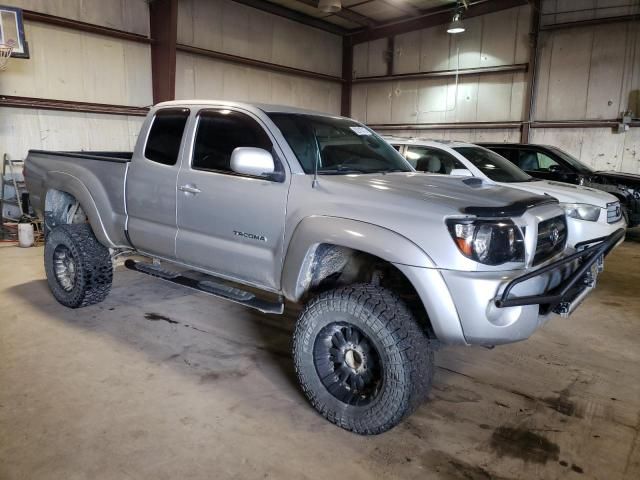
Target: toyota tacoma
[262, 204]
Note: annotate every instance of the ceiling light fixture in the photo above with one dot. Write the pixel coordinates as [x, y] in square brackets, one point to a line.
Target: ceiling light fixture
[456, 25]
[330, 6]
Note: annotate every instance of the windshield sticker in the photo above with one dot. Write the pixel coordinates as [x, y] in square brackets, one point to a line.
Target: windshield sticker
[360, 131]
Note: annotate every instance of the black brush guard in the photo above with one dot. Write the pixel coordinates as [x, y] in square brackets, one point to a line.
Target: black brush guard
[571, 288]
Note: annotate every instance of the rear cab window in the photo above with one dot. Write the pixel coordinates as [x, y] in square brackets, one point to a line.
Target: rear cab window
[165, 136]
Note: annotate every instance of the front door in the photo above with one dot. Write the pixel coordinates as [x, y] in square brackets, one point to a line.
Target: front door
[230, 224]
[151, 185]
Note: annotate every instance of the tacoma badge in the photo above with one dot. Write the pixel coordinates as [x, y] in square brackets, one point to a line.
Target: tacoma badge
[251, 236]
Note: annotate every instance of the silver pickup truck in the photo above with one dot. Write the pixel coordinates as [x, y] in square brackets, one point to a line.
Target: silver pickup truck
[261, 204]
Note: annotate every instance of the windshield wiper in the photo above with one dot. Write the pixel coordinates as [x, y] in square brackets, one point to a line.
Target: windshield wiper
[339, 170]
[388, 170]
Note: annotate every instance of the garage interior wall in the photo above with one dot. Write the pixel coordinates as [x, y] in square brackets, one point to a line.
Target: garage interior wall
[590, 73]
[229, 27]
[584, 73]
[493, 40]
[70, 65]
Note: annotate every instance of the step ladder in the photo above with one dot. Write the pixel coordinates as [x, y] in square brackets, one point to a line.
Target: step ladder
[11, 191]
[12, 178]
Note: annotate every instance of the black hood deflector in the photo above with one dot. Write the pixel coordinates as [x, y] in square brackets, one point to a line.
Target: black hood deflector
[514, 209]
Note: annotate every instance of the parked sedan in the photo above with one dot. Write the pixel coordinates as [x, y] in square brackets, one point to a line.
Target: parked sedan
[591, 213]
[551, 163]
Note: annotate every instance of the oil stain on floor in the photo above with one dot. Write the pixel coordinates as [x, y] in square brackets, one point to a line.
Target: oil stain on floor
[523, 444]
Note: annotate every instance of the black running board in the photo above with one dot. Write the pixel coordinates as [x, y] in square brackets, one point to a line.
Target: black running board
[212, 286]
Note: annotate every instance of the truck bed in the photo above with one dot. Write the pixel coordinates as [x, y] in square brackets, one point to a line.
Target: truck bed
[96, 179]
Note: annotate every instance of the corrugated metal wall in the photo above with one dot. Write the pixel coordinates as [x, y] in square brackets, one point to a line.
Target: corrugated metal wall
[77, 66]
[590, 73]
[556, 12]
[129, 15]
[493, 40]
[585, 73]
[229, 27]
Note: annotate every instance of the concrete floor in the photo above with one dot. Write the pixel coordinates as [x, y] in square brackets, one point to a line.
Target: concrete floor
[158, 382]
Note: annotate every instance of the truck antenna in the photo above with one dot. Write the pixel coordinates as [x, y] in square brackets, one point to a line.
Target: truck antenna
[314, 184]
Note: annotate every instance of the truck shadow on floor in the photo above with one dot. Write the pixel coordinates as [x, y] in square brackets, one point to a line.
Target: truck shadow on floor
[224, 345]
[195, 333]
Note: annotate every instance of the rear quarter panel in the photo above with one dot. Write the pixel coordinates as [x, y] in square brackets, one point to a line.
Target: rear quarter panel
[98, 186]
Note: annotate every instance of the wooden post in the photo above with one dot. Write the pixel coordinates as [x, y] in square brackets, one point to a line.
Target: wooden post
[529, 106]
[347, 76]
[163, 19]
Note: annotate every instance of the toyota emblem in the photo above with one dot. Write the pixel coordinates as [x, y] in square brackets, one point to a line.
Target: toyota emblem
[554, 236]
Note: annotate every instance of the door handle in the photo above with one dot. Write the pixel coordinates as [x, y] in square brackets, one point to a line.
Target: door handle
[189, 189]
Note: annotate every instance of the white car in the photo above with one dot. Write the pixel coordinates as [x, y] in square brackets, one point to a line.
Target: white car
[591, 213]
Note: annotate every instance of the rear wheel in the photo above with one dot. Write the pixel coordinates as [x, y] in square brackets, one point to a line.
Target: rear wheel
[78, 267]
[362, 359]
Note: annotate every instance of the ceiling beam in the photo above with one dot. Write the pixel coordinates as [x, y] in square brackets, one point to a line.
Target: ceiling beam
[345, 13]
[294, 15]
[404, 7]
[433, 17]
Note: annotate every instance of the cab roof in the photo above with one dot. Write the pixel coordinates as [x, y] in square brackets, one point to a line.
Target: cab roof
[267, 108]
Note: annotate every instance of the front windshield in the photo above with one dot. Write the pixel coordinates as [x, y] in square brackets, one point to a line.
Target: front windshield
[339, 146]
[574, 162]
[494, 166]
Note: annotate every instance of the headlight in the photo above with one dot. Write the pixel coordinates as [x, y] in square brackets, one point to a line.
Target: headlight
[582, 211]
[492, 242]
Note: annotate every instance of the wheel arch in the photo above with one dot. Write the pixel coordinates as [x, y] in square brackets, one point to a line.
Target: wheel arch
[61, 196]
[335, 240]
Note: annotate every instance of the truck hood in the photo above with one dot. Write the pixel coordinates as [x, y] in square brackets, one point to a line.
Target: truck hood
[415, 206]
[453, 193]
[566, 192]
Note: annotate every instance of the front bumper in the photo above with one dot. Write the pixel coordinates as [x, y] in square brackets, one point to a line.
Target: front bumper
[497, 307]
[563, 297]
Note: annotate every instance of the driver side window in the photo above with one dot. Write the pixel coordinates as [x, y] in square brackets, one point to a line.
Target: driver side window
[219, 133]
[432, 160]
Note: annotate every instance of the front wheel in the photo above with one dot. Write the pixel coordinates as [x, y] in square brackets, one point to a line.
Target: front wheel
[362, 359]
[78, 267]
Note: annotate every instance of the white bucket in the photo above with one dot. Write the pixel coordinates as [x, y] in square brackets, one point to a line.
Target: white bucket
[25, 234]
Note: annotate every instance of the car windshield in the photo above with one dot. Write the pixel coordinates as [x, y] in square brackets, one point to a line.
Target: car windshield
[338, 146]
[494, 166]
[574, 162]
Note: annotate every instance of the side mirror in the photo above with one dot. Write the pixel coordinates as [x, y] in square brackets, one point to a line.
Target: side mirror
[461, 172]
[256, 162]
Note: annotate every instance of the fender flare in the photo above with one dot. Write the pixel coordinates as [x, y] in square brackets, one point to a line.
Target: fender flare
[65, 182]
[366, 237]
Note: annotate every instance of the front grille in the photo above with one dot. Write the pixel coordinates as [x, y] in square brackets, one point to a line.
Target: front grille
[614, 212]
[552, 237]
